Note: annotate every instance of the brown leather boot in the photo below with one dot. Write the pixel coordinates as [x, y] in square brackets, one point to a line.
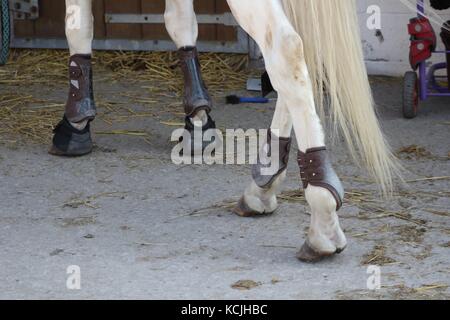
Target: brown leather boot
[265, 161]
[196, 96]
[80, 104]
[284, 146]
[67, 140]
[316, 170]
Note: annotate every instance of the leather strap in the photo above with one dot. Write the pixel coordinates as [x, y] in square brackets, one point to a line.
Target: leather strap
[80, 104]
[316, 170]
[196, 96]
[284, 144]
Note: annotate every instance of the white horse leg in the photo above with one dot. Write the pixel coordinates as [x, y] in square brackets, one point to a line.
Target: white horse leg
[282, 48]
[181, 24]
[79, 26]
[79, 29]
[263, 200]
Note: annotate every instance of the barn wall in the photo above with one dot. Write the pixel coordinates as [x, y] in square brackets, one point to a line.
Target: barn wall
[52, 12]
[390, 57]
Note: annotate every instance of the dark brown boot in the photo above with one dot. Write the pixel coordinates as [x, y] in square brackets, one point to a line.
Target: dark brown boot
[67, 140]
[80, 104]
[316, 170]
[264, 160]
[196, 96]
[261, 175]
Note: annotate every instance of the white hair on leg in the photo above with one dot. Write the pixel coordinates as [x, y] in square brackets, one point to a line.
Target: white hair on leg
[200, 118]
[282, 49]
[79, 26]
[338, 71]
[325, 234]
[281, 121]
[262, 200]
[181, 22]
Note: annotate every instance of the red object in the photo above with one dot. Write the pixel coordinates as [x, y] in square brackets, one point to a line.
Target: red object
[423, 41]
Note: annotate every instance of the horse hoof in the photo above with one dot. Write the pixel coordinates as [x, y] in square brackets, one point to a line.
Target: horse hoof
[70, 142]
[340, 250]
[243, 210]
[308, 254]
[54, 151]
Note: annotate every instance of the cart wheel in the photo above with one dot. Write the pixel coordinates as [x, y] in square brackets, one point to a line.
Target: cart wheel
[410, 95]
[5, 31]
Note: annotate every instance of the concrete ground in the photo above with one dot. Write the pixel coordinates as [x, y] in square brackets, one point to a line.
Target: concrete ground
[141, 227]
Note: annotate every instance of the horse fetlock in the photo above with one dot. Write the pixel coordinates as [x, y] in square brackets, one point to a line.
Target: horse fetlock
[266, 196]
[325, 232]
[271, 163]
[316, 170]
[79, 125]
[259, 201]
[200, 119]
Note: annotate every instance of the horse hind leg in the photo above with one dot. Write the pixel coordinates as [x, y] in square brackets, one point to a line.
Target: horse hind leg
[72, 135]
[282, 48]
[260, 197]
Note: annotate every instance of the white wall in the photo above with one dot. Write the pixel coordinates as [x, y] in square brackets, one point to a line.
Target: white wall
[390, 57]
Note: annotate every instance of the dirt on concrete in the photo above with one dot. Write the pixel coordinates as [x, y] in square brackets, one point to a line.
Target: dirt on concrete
[139, 226]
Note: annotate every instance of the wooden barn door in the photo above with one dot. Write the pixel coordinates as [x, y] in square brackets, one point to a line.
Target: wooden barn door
[48, 30]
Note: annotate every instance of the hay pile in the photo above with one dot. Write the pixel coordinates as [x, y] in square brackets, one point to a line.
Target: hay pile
[31, 76]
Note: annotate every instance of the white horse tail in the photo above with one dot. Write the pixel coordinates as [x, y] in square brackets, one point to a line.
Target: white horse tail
[333, 52]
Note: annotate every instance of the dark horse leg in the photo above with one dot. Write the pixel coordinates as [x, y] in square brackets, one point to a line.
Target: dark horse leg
[72, 135]
[181, 24]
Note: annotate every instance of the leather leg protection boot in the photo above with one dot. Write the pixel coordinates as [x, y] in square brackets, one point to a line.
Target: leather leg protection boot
[316, 170]
[196, 96]
[261, 179]
[80, 107]
[80, 104]
[265, 180]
